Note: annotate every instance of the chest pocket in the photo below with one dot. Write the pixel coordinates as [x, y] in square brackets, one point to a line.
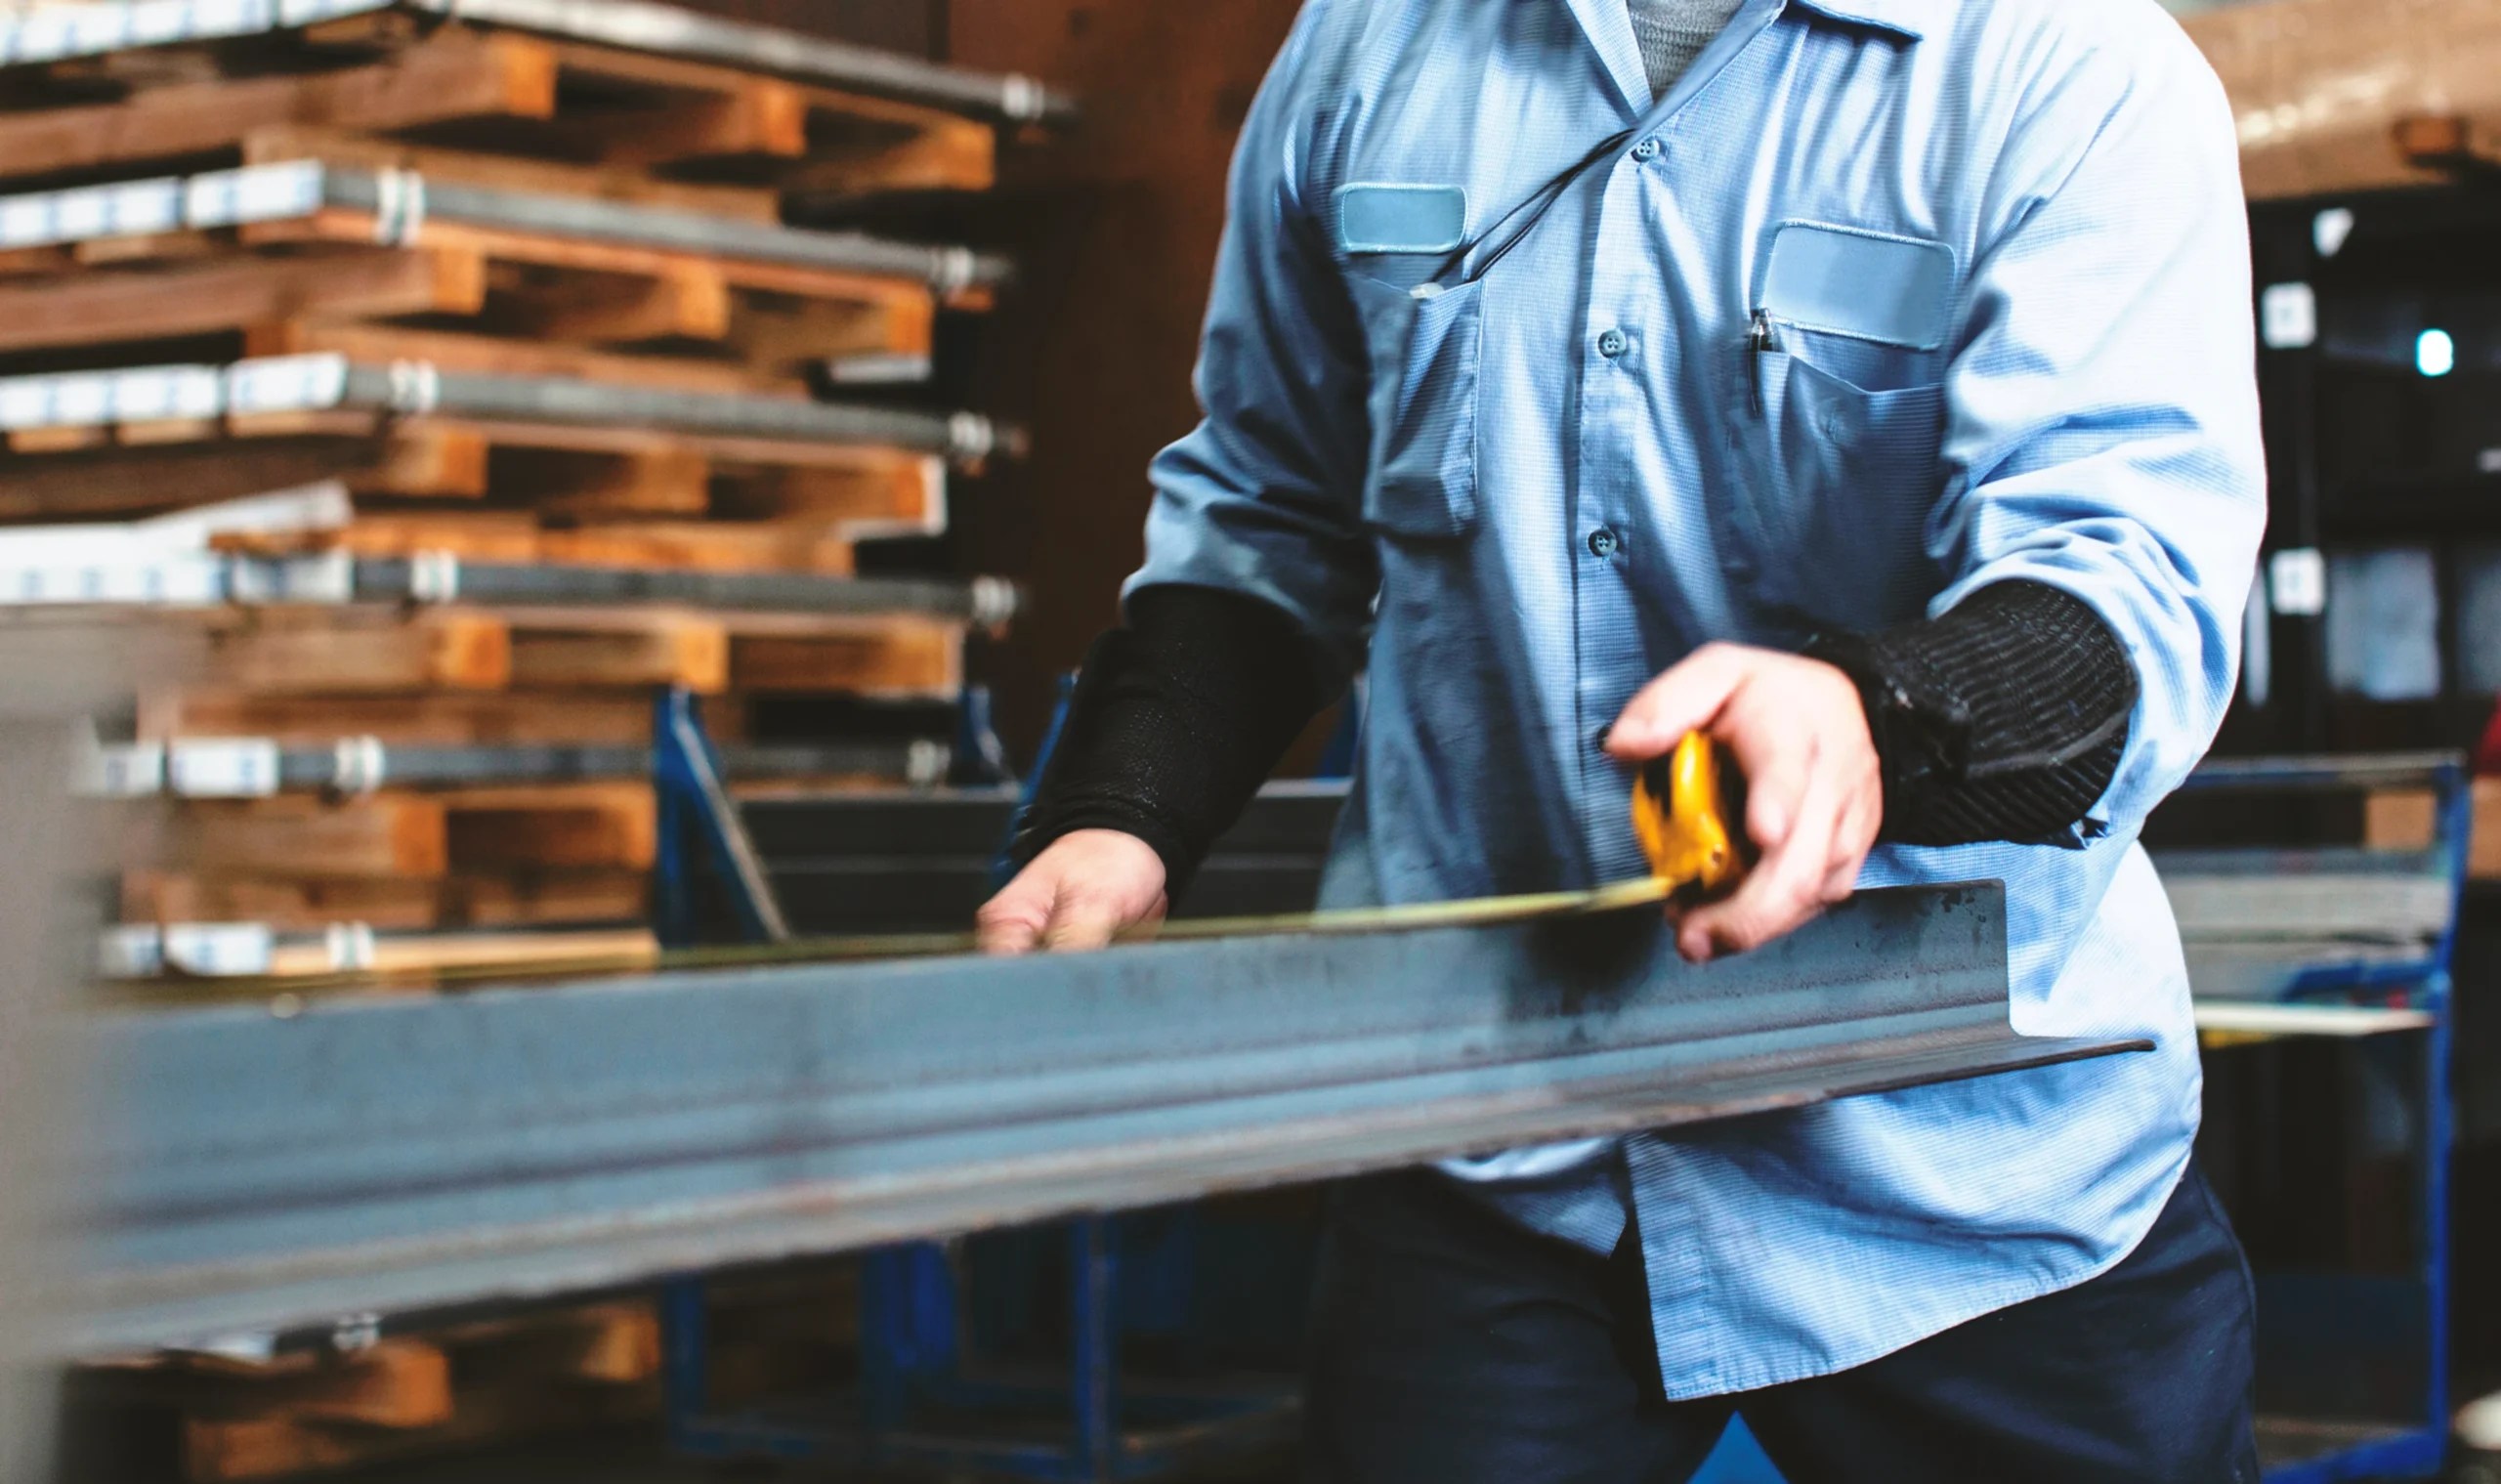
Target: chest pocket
[1422, 478]
[1846, 381]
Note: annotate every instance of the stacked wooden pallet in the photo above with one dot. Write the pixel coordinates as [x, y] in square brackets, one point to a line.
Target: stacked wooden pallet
[450, 370]
[362, 1397]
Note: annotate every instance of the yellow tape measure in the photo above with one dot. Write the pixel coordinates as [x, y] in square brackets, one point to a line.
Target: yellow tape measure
[1689, 812]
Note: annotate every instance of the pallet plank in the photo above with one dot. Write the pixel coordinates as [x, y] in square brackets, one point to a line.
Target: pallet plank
[291, 905]
[300, 653]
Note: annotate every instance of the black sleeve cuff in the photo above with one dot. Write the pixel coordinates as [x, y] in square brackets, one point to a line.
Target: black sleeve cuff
[1178, 718]
[2005, 719]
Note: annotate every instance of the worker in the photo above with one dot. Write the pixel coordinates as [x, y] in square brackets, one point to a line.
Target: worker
[1868, 384]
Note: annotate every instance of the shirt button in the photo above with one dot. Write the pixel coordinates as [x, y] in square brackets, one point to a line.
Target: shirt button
[1604, 543]
[1614, 343]
[1647, 149]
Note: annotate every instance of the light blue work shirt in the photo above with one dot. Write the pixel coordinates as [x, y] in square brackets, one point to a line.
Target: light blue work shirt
[1998, 252]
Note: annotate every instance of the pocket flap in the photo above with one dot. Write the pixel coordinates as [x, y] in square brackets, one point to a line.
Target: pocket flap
[1841, 280]
[1375, 217]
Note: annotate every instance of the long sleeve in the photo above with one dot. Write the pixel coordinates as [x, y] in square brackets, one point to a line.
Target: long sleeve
[1263, 498]
[2104, 434]
[1180, 714]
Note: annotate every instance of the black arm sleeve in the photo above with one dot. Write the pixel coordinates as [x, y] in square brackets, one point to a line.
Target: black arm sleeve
[2003, 720]
[1179, 718]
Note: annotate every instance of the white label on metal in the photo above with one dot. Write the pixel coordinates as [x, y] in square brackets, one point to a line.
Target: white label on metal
[84, 214]
[130, 953]
[351, 946]
[82, 402]
[2288, 316]
[223, 768]
[286, 384]
[219, 950]
[124, 771]
[2297, 581]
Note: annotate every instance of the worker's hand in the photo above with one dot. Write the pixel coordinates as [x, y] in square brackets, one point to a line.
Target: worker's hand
[1814, 790]
[1081, 893]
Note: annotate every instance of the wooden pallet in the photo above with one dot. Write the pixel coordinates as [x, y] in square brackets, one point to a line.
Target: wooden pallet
[474, 901]
[2408, 819]
[411, 837]
[559, 472]
[500, 92]
[403, 1397]
[462, 298]
[519, 536]
[381, 651]
[440, 718]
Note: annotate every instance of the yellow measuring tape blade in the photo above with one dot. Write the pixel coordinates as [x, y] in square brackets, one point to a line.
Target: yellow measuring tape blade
[1495, 911]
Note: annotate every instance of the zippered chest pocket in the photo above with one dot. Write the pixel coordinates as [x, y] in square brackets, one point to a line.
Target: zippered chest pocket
[1421, 480]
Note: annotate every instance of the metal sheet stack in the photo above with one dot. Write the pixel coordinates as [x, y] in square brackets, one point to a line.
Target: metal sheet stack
[448, 370]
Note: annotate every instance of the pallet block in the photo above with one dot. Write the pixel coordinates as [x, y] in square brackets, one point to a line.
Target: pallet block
[402, 1397]
[411, 837]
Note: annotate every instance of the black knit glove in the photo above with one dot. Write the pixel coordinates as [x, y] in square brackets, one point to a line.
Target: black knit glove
[2003, 720]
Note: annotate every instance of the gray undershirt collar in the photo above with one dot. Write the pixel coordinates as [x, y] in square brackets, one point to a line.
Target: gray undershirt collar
[1673, 32]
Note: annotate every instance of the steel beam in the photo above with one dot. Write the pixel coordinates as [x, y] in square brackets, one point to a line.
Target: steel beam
[404, 201]
[288, 384]
[256, 1169]
[58, 32]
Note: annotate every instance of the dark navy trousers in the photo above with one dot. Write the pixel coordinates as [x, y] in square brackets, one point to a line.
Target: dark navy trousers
[1453, 1347]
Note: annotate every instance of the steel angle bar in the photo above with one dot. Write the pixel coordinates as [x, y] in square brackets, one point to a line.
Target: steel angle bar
[946, 270]
[252, 1171]
[417, 387]
[234, 768]
[414, 387]
[402, 202]
[635, 25]
[62, 31]
[440, 577]
[46, 33]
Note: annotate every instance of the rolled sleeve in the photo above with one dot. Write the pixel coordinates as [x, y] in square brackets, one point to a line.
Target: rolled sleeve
[2103, 433]
[1263, 498]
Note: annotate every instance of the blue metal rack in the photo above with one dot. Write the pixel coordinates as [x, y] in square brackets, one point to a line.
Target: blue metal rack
[2312, 981]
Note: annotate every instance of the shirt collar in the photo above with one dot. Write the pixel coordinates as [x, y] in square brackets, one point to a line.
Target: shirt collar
[1914, 18]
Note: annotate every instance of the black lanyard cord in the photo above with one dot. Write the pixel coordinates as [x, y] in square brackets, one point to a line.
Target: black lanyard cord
[1535, 207]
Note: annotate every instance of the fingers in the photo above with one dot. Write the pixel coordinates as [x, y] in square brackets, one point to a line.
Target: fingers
[1083, 920]
[1085, 892]
[1687, 699]
[1014, 921]
[1787, 890]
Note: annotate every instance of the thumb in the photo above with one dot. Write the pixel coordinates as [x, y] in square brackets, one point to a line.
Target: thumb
[1684, 700]
[1012, 922]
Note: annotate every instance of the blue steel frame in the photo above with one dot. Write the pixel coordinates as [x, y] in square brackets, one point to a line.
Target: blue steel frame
[2421, 1451]
[910, 1320]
